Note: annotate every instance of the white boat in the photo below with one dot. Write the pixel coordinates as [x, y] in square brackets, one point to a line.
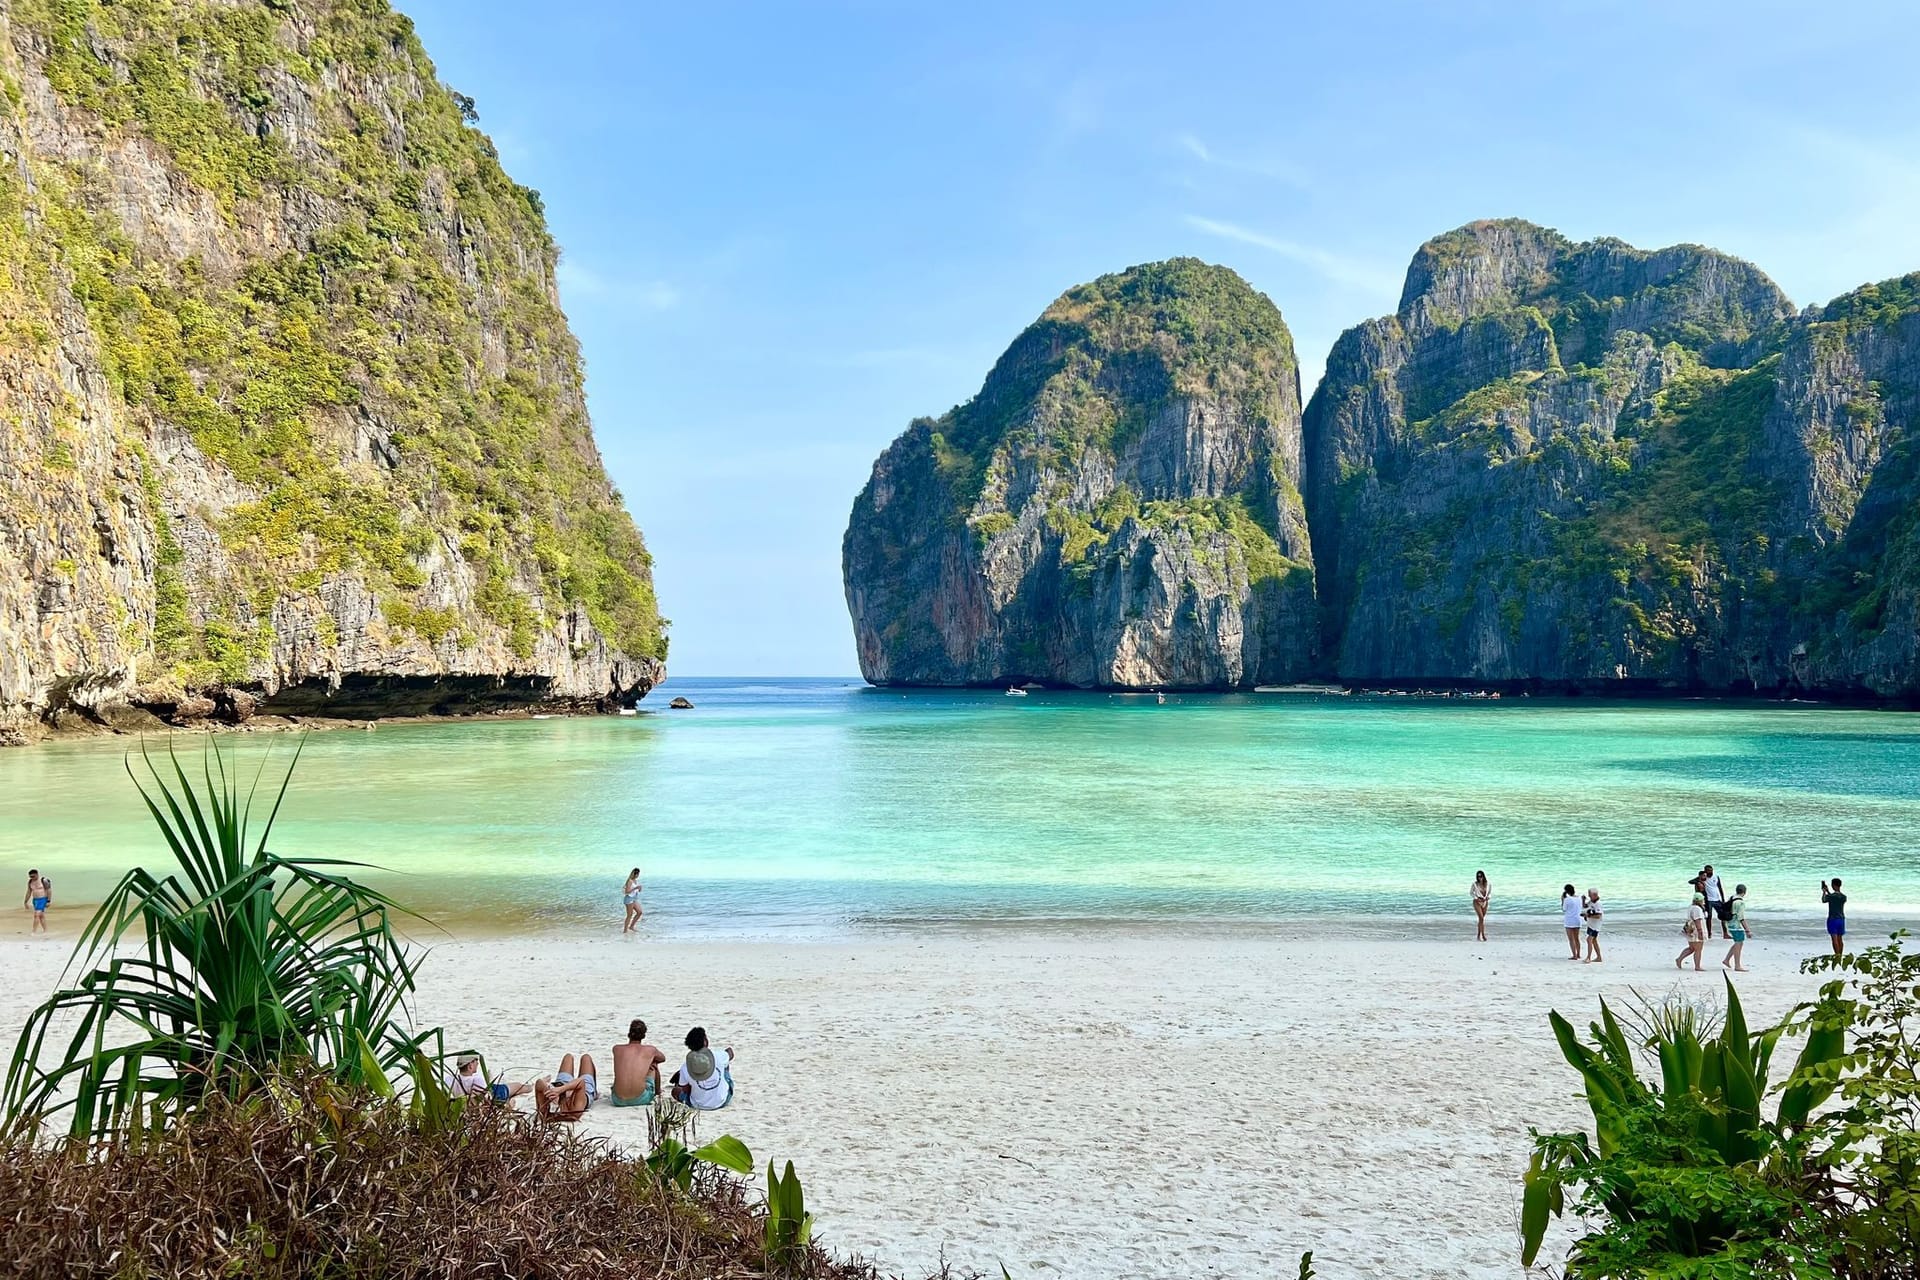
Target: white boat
[1016, 693]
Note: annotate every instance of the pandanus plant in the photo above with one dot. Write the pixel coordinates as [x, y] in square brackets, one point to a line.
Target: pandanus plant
[216, 975]
[1708, 1108]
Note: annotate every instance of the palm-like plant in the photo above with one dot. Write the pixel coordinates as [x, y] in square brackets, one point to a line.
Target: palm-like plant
[210, 977]
[1679, 1164]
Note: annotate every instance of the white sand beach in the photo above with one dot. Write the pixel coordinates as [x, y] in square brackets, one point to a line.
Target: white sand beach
[1095, 1103]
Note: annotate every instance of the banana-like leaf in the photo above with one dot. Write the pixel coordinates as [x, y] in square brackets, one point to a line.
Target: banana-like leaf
[1815, 1073]
[728, 1152]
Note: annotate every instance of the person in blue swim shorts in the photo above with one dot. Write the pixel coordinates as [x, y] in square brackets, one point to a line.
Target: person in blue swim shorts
[39, 897]
[1836, 915]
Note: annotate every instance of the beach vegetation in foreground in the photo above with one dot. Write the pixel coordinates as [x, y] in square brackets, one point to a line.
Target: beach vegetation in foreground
[247, 963]
[244, 1094]
[1697, 1168]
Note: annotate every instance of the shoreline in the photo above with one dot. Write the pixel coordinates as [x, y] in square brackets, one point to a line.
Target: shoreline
[1097, 1104]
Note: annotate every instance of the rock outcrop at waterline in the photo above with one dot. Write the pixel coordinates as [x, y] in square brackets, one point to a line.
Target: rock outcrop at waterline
[1119, 507]
[1557, 465]
[290, 418]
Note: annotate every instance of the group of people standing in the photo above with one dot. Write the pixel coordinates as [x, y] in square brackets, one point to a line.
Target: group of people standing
[1711, 906]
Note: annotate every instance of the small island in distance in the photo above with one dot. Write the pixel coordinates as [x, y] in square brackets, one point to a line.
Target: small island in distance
[1557, 467]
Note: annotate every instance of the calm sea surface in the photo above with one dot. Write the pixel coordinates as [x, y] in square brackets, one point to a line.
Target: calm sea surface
[788, 806]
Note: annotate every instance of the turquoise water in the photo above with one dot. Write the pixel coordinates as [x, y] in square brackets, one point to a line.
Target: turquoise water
[820, 804]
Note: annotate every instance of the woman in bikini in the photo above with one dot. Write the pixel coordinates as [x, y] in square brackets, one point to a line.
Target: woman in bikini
[631, 896]
[1481, 893]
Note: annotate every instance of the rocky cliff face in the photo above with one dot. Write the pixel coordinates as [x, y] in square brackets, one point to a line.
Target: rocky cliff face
[289, 416]
[1591, 465]
[1119, 507]
[1557, 465]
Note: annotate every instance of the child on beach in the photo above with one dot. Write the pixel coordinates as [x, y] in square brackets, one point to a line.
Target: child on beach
[40, 897]
[1591, 914]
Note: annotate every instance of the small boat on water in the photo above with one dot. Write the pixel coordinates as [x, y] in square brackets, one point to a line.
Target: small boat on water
[1016, 692]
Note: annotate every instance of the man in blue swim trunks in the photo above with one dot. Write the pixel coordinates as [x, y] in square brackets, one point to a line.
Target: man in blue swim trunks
[39, 897]
[1836, 915]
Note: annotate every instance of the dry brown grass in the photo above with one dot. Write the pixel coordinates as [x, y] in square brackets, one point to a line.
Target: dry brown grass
[308, 1187]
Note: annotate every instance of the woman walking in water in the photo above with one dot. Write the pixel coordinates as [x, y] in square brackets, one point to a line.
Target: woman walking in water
[631, 896]
[1481, 893]
[1570, 908]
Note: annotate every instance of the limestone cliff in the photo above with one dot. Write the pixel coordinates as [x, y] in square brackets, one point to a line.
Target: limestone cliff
[1119, 507]
[1589, 465]
[1557, 466]
[290, 418]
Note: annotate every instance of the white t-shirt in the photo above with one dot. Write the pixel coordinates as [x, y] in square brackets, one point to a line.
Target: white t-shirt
[1570, 911]
[1697, 918]
[715, 1091]
[1713, 889]
[1593, 915]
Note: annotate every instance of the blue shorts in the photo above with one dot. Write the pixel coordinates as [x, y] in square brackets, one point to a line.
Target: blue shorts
[1837, 927]
[1739, 934]
[40, 904]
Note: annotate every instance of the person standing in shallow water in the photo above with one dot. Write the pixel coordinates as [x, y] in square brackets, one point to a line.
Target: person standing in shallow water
[40, 897]
[1481, 893]
[1836, 915]
[1570, 908]
[631, 896]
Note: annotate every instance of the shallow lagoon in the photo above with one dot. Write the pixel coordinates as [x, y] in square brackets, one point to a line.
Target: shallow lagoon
[813, 806]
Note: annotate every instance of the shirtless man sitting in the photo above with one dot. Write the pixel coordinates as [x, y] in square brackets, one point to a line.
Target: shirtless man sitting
[567, 1095]
[636, 1068]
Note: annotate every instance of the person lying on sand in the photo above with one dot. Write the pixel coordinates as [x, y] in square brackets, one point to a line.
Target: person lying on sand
[468, 1081]
[705, 1083]
[567, 1095]
[636, 1068]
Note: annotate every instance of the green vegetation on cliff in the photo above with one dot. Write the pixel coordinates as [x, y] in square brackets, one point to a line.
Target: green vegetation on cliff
[391, 382]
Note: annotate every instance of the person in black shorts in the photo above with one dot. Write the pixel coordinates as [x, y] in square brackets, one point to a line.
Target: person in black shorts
[1836, 915]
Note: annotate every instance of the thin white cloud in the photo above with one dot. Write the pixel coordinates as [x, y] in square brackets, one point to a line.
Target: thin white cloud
[1354, 273]
[1273, 170]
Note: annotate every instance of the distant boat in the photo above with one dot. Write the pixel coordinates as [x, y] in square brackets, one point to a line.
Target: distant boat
[1016, 692]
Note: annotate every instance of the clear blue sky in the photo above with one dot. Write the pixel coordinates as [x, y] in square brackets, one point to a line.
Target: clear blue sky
[788, 229]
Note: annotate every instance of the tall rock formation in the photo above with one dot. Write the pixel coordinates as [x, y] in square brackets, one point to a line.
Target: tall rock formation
[1119, 507]
[1591, 465]
[289, 414]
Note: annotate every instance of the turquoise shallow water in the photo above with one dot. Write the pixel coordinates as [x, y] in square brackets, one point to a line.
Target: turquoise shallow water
[818, 804]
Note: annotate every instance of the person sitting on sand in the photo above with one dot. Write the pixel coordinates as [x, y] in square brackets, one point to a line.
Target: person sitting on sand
[1592, 916]
[468, 1081]
[1737, 929]
[1481, 893]
[40, 897]
[567, 1095]
[636, 1068]
[705, 1083]
[1695, 930]
[1570, 905]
